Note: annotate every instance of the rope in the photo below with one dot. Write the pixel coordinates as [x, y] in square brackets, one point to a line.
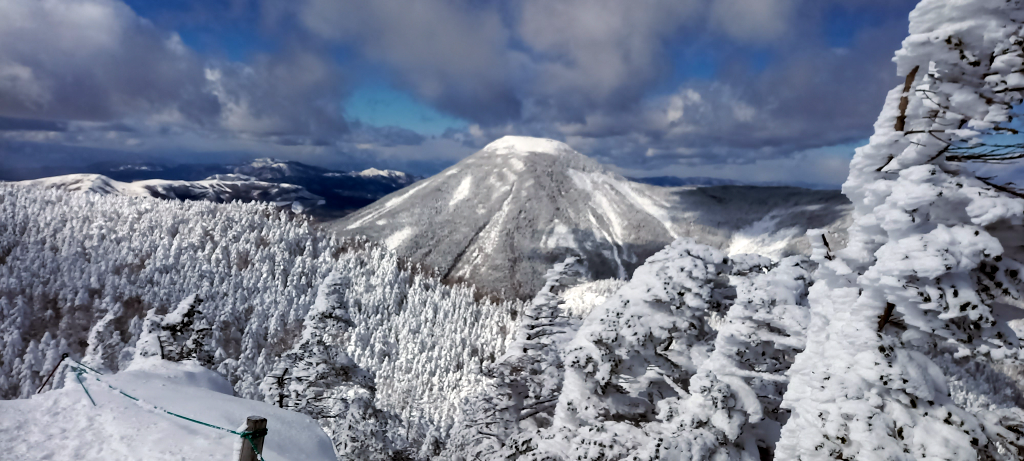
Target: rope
[80, 369]
[78, 376]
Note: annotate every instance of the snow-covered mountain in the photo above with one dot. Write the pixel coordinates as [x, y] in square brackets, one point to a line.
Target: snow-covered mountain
[343, 191]
[501, 217]
[218, 189]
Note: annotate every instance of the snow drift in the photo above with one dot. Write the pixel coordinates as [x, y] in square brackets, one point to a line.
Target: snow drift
[63, 424]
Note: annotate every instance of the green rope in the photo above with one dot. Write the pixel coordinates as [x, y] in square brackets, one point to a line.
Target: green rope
[247, 435]
[78, 375]
[85, 366]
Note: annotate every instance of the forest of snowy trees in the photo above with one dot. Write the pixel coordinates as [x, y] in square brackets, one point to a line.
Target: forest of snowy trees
[246, 290]
[903, 345]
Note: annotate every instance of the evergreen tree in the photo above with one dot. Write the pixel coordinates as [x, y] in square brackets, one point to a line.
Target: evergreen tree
[318, 378]
[639, 350]
[104, 340]
[525, 383]
[908, 327]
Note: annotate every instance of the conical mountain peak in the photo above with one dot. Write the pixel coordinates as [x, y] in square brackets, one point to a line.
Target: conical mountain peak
[502, 216]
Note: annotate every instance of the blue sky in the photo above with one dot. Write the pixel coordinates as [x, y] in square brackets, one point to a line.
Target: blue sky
[726, 88]
[382, 105]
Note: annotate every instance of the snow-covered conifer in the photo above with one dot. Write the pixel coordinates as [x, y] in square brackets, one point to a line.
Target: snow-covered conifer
[731, 409]
[105, 343]
[908, 326]
[318, 378]
[69, 255]
[638, 349]
[525, 383]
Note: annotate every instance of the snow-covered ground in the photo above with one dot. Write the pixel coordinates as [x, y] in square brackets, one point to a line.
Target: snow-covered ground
[63, 424]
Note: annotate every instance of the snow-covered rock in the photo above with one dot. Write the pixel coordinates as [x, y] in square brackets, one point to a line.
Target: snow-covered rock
[503, 216]
[63, 424]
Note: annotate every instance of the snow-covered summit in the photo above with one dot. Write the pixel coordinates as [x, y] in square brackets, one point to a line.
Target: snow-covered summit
[528, 145]
[502, 216]
[376, 173]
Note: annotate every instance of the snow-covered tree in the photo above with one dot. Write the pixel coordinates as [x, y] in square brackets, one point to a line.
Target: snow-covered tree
[731, 408]
[908, 330]
[685, 361]
[182, 334]
[525, 383]
[105, 344]
[69, 257]
[318, 378]
[638, 349]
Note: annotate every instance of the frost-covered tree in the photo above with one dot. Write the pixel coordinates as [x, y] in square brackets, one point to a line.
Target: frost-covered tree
[685, 361]
[638, 349]
[731, 408]
[105, 344]
[503, 419]
[908, 332]
[318, 378]
[182, 334]
[69, 257]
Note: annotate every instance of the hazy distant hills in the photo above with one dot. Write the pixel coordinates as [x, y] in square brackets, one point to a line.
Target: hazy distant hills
[700, 181]
[501, 217]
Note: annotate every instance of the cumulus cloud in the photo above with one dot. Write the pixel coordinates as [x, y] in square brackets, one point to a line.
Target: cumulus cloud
[450, 52]
[610, 77]
[753, 20]
[93, 60]
[97, 61]
[584, 55]
[585, 70]
[810, 95]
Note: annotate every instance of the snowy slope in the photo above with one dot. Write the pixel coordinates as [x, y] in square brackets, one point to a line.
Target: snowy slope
[62, 424]
[501, 217]
[219, 189]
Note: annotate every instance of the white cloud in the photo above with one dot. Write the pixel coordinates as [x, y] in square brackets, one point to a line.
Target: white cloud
[753, 20]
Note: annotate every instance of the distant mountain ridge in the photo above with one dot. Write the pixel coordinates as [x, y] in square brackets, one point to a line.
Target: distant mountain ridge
[502, 216]
[217, 189]
[341, 191]
[702, 181]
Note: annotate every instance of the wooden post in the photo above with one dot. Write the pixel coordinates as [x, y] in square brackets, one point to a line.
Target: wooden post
[253, 424]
